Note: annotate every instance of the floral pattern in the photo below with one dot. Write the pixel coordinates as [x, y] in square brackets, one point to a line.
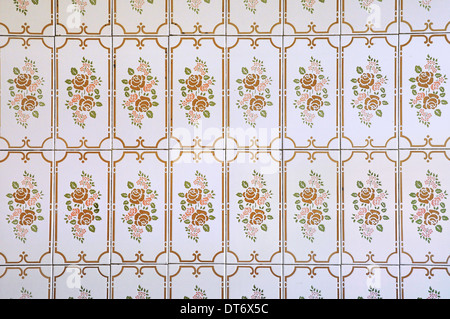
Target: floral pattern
[83, 92]
[312, 206]
[433, 294]
[22, 5]
[137, 5]
[26, 92]
[140, 93]
[25, 294]
[84, 294]
[308, 5]
[312, 92]
[314, 294]
[25, 206]
[257, 293]
[428, 89]
[373, 294]
[370, 206]
[194, 5]
[82, 207]
[196, 206]
[425, 4]
[366, 4]
[428, 206]
[197, 92]
[370, 91]
[251, 5]
[198, 294]
[80, 5]
[139, 207]
[254, 91]
[142, 293]
[254, 206]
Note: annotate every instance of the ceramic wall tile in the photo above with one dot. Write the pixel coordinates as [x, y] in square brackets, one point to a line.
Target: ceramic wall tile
[27, 17]
[311, 17]
[254, 92]
[139, 223]
[140, 17]
[424, 180]
[312, 282]
[81, 282]
[197, 92]
[82, 231]
[83, 93]
[254, 218]
[425, 282]
[369, 207]
[424, 72]
[369, 92]
[197, 16]
[254, 17]
[197, 196]
[140, 93]
[138, 282]
[370, 282]
[311, 98]
[27, 202]
[26, 113]
[196, 282]
[78, 17]
[25, 282]
[424, 16]
[369, 16]
[311, 199]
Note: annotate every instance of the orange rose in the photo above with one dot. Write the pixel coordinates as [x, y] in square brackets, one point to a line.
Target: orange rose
[425, 79]
[23, 81]
[257, 217]
[199, 104]
[29, 103]
[142, 218]
[425, 195]
[314, 217]
[85, 217]
[194, 82]
[366, 80]
[143, 104]
[194, 195]
[308, 195]
[79, 195]
[366, 195]
[431, 101]
[314, 103]
[431, 217]
[137, 82]
[80, 82]
[257, 103]
[27, 218]
[21, 195]
[136, 196]
[373, 217]
[308, 81]
[251, 195]
[86, 104]
[199, 218]
[251, 81]
[372, 102]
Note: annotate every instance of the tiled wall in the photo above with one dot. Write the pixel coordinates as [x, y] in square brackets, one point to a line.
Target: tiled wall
[224, 149]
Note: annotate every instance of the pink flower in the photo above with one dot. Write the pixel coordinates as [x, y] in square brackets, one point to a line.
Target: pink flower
[133, 211]
[376, 201]
[133, 98]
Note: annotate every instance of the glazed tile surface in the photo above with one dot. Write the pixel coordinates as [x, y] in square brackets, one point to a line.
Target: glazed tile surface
[170, 149]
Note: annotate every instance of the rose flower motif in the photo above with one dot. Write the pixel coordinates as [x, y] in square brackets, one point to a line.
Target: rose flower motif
[85, 217]
[308, 81]
[251, 195]
[23, 81]
[199, 218]
[194, 82]
[257, 103]
[314, 217]
[314, 103]
[21, 195]
[372, 217]
[143, 104]
[251, 81]
[29, 103]
[366, 80]
[80, 82]
[425, 195]
[194, 195]
[136, 196]
[366, 195]
[199, 104]
[425, 79]
[27, 218]
[308, 195]
[137, 82]
[142, 218]
[431, 101]
[86, 104]
[257, 217]
[372, 102]
[79, 195]
[431, 217]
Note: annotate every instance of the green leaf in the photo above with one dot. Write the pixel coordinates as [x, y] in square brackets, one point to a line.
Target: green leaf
[264, 227]
[206, 228]
[206, 114]
[360, 184]
[438, 112]
[130, 185]
[302, 184]
[418, 69]
[74, 71]
[93, 2]
[15, 185]
[380, 227]
[418, 184]
[93, 114]
[263, 113]
[187, 184]
[149, 228]
[16, 71]
[439, 228]
[92, 228]
[321, 227]
[187, 71]
[34, 228]
[244, 70]
[302, 70]
[73, 185]
[321, 113]
[244, 184]
[359, 70]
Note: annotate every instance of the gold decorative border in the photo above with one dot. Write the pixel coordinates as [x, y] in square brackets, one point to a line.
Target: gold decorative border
[428, 24]
[23, 273]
